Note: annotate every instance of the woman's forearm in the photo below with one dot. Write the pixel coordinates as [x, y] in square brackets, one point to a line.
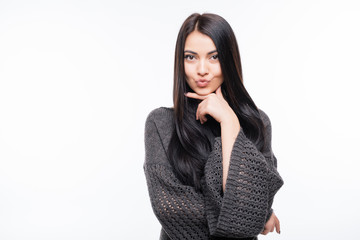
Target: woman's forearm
[229, 131]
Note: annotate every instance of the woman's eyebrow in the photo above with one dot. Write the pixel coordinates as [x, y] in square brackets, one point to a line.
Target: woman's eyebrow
[189, 51]
[214, 51]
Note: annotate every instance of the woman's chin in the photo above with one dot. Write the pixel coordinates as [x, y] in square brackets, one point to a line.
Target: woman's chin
[203, 91]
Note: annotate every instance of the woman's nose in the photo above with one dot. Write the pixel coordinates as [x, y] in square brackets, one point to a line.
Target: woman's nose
[202, 68]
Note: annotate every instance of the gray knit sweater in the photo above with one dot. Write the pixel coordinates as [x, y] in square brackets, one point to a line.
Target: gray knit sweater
[241, 211]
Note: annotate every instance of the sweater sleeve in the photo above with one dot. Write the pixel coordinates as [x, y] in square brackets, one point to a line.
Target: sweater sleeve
[179, 208]
[253, 180]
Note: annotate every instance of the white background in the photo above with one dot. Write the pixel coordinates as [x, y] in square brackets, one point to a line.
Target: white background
[78, 78]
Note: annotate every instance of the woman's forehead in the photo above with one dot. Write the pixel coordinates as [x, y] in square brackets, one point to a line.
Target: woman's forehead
[199, 43]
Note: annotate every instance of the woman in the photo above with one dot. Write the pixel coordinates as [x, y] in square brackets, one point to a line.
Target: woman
[209, 166]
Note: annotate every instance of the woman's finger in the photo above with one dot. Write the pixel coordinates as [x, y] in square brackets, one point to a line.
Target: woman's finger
[277, 225]
[272, 228]
[218, 92]
[198, 117]
[203, 120]
[266, 231]
[194, 95]
[200, 114]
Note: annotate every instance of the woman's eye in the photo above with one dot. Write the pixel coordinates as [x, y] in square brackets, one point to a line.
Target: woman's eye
[189, 57]
[215, 57]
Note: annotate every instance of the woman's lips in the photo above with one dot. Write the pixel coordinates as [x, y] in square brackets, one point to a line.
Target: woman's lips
[202, 83]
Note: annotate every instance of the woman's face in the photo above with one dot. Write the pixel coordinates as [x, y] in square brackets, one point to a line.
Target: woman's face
[202, 66]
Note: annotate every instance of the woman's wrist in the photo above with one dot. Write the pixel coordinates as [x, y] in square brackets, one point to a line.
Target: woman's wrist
[231, 123]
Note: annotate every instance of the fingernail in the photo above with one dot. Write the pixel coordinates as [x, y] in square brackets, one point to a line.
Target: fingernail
[279, 232]
[185, 93]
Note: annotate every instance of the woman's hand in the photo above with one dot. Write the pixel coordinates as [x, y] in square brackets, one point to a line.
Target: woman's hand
[216, 106]
[213, 104]
[271, 223]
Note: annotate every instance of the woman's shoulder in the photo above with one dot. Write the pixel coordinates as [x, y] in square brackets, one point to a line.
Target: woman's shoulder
[158, 132]
[264, 117]
[163, 119]
[160, 114]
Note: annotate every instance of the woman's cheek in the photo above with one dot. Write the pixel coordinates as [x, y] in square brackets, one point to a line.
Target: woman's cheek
[217, 70]
[189, 69]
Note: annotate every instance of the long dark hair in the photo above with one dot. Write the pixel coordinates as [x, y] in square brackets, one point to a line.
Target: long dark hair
[191, 142]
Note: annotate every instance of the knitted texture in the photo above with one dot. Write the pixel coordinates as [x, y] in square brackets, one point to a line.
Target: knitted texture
[240, 211]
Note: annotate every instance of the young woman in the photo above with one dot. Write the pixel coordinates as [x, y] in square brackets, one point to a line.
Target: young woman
[209, 166]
